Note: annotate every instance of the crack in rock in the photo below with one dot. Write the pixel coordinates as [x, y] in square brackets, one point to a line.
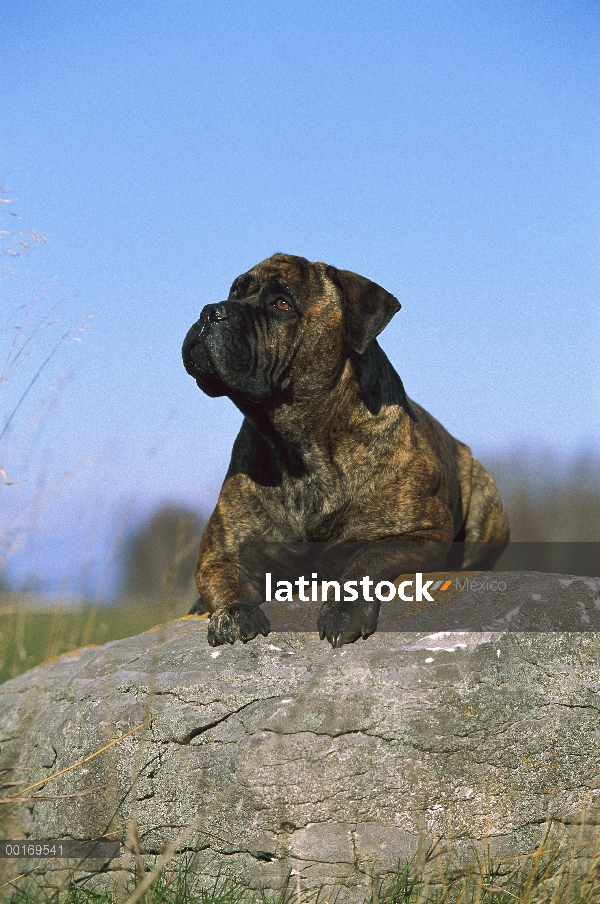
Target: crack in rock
[202, 729]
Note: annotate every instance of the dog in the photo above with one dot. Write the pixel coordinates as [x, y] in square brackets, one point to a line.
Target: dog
[331, 449]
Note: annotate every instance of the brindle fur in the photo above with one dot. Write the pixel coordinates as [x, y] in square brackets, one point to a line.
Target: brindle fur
[331, 448]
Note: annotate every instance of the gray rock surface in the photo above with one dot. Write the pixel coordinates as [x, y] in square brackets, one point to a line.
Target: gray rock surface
[285, 754]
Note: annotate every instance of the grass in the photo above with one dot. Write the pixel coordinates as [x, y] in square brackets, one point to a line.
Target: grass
[30, 634]
[538, 879]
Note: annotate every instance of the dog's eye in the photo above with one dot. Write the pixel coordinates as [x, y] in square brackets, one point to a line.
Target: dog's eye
[282, 305]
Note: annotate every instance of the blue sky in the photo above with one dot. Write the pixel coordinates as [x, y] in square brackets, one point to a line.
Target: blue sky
[447, 150]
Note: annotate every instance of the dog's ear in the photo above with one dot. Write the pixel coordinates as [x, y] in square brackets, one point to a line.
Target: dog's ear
[367, 307]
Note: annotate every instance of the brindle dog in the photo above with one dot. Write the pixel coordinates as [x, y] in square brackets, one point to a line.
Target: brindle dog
[331, 448]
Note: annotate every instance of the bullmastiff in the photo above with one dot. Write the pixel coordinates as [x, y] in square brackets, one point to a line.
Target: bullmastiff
[330, 450]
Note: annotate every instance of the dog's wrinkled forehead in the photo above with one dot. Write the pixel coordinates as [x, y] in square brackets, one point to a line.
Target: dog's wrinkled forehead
[281, 272]
[360, 306]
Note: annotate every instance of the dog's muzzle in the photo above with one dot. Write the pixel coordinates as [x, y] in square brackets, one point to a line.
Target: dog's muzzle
[195, 356]
[224, 354]
[215, 351]
[195, 359]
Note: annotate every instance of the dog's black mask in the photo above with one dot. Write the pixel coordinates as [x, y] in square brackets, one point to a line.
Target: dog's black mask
[238, 348]
[218, 352]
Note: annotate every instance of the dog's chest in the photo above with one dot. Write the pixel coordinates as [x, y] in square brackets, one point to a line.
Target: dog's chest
[314, 507]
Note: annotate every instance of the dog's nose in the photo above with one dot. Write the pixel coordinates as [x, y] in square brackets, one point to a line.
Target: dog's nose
[218, 312]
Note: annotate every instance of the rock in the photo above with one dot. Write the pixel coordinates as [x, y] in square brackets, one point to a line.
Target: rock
[285, 754]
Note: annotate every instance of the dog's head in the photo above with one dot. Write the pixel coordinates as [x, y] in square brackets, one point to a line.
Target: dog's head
[287, 323]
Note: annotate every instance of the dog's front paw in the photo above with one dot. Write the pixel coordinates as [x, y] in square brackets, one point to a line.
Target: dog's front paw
[242, 621]
[342, 624]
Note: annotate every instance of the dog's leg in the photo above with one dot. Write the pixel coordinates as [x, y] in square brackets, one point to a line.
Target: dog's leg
[343, 622]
